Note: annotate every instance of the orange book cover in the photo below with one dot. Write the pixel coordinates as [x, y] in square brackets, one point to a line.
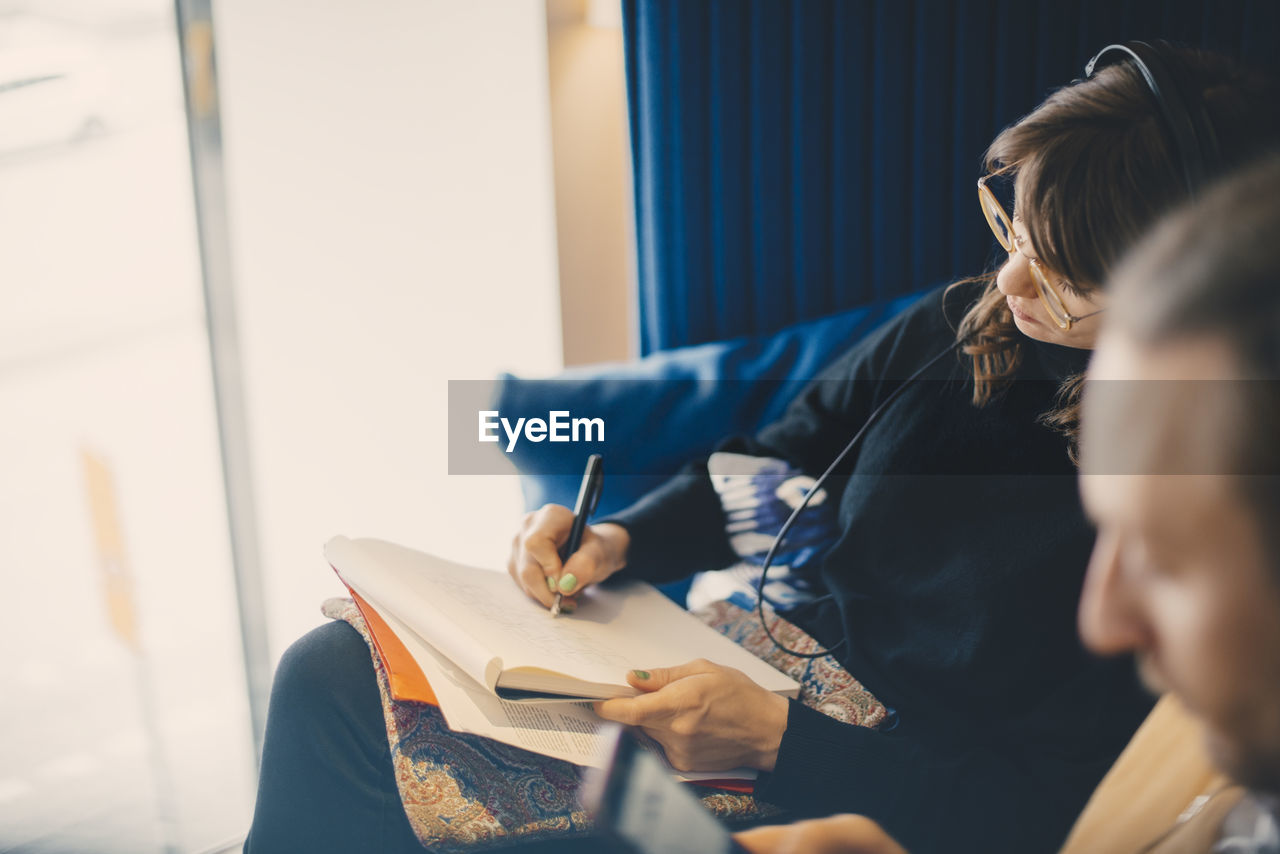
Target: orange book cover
[409, 683]
[745, 787]
[404, 676]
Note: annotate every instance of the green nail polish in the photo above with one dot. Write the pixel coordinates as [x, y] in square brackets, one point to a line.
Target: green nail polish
[551, 584]
[641, 674]
[568, 582]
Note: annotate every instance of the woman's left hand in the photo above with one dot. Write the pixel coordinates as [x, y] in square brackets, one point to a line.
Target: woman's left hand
[837, 834]
[706, 716]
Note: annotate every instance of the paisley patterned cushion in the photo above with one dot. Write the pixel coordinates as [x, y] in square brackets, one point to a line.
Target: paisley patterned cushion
[460, 790]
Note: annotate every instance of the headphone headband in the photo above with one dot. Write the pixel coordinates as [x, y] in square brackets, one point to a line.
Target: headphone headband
[1192, 132]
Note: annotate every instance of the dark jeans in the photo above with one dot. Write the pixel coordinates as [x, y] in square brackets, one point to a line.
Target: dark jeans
[327, 783]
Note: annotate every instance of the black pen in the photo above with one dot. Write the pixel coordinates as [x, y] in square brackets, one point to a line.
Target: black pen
[588, 498]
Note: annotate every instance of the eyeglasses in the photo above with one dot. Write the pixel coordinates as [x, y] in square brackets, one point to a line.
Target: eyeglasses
[1002, 227]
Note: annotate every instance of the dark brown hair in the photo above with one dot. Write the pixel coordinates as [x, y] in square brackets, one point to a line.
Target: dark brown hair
[1095, 168]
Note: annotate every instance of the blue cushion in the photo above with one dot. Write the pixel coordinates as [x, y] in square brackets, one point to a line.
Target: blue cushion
[661, 411]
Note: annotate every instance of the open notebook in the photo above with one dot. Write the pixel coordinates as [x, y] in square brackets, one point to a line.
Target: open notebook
[420, 598]
[511, 645]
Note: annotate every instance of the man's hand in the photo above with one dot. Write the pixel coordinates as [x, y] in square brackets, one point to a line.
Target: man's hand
[837, 834]
[707, 717]
[535, 555]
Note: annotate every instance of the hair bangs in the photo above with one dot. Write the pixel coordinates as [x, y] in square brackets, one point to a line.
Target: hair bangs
[1092, 168]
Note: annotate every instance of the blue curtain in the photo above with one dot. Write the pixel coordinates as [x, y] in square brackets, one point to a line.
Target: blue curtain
[794, 158]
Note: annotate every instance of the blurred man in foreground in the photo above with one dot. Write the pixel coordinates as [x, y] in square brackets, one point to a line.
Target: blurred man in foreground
[1181, 474]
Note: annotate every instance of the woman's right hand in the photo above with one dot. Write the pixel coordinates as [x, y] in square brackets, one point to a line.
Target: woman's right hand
[535, 555]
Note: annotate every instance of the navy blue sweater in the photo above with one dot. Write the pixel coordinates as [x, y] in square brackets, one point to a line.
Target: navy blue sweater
[954, 583]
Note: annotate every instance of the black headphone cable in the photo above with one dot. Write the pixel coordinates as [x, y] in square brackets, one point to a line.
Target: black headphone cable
[817, 484]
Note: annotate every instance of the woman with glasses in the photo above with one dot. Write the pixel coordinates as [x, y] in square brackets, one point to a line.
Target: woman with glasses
[946, 695]
[1055, 293]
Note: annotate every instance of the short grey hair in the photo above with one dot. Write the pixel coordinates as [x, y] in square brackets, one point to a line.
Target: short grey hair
[1212, 269]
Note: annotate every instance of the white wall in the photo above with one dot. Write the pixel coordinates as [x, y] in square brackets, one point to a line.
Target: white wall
[391, 200]
[593, 179]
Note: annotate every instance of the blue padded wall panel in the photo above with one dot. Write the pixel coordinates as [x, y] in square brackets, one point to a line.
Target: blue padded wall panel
[794, 158]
